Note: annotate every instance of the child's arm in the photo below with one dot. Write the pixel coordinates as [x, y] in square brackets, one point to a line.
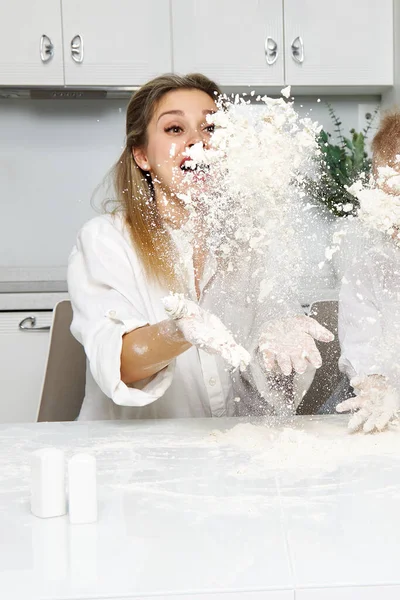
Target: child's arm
[376, 402]
[360, 329]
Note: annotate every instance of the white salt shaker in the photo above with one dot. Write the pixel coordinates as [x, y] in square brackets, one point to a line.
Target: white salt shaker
[48, 497]
[82, 488]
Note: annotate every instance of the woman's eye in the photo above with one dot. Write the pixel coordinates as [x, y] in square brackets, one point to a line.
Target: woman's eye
[174, 129]
[210, 128]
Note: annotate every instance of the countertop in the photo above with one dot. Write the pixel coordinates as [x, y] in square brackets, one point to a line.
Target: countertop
[18, 287]
[32, 288]
[31, 301]
[35, 296]
[209, 509]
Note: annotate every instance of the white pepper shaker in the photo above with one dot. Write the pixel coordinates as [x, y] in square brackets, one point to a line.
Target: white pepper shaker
[82, 488]
[48, 496]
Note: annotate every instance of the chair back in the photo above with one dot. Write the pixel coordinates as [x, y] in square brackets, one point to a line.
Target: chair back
[63, 387]
[328, 376]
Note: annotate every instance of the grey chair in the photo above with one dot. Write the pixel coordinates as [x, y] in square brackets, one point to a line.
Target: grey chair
[328, 377]
[63, 387]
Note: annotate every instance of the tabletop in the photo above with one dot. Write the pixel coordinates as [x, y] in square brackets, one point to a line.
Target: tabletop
[209, 509]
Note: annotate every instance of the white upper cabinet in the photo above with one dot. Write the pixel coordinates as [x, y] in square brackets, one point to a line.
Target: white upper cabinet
[257, 43]
[30, 43]
[231, 41]
[115, 43]
[340, 43]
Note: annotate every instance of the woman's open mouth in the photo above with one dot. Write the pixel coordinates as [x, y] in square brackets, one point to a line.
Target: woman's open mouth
[189, 166]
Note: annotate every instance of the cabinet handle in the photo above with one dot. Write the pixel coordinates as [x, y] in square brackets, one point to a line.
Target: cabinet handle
[77, 48]
[46, 48]
[271, 50]
[297, 49]
[31, 327]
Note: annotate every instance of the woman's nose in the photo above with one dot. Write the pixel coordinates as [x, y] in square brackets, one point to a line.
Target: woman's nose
[196, 137]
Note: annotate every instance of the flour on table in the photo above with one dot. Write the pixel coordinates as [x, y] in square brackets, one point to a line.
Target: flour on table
[291, 448]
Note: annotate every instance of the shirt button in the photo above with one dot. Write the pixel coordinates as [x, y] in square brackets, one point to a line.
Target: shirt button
[212, 381]
[112, 314]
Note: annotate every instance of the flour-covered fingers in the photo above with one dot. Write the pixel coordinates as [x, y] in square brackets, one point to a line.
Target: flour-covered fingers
[351, 404]
[358, 419]
[312, 353]
[383, 420]
[284, 363]
[268, 359]
[317, 331]
[300, 363]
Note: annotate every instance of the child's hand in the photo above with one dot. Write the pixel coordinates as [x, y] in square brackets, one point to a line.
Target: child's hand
[289, 344]
[203, 329]
[376, 403]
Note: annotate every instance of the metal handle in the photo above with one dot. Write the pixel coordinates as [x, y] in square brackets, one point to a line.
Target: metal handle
[46, 48]
[297, 48]
[77, 48]
[271, 50]
[31, 327]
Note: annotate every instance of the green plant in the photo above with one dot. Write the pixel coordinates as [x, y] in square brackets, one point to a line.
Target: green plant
[340, 165]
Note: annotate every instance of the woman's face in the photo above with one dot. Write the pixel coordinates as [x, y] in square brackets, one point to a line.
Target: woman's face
[178, 123]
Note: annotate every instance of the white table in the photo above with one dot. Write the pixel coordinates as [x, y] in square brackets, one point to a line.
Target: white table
[184, 516]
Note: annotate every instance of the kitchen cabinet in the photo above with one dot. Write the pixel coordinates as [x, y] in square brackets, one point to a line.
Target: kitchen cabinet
[309, 44]
[297, 42]
[24, 340]
[233, 43]
[31, 43]
[339, 44]
[118, 43]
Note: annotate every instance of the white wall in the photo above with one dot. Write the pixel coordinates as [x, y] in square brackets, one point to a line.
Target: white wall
[346, 108]
[391, 97]
[53, 154]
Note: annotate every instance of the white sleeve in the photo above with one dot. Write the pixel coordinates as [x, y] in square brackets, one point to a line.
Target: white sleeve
[360, 327]
[107, 304]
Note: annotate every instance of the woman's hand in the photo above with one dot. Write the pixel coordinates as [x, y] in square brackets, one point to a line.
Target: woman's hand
[203, 329]
[289, 344]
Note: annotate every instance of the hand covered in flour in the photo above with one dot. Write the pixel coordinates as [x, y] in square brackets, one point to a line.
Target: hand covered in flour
[289, 344]
[203, 329]
[376, 403]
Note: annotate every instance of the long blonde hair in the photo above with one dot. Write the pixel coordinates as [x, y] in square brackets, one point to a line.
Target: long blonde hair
[133, 186]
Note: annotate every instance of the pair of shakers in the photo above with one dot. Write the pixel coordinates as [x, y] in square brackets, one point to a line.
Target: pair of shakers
[49, 485]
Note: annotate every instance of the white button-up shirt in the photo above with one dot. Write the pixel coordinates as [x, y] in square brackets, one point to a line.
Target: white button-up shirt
[111, 296]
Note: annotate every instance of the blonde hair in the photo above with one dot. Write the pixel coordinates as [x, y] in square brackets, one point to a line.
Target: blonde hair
[133, 186]
[386, 142]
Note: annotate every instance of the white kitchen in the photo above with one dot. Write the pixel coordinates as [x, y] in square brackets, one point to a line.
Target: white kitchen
[230, 506]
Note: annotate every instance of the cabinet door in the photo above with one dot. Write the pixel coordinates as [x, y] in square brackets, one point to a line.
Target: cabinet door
[23, 354]
[228, 40]
[30, 43]
[116, 43]
[340, 43]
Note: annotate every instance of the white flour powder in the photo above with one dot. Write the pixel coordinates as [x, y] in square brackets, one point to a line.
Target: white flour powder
[322, 448]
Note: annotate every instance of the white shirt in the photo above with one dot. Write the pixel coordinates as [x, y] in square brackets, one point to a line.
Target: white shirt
[369, 315]
[110, 297]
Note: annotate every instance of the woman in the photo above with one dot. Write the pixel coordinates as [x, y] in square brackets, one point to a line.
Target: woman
[125, 263]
